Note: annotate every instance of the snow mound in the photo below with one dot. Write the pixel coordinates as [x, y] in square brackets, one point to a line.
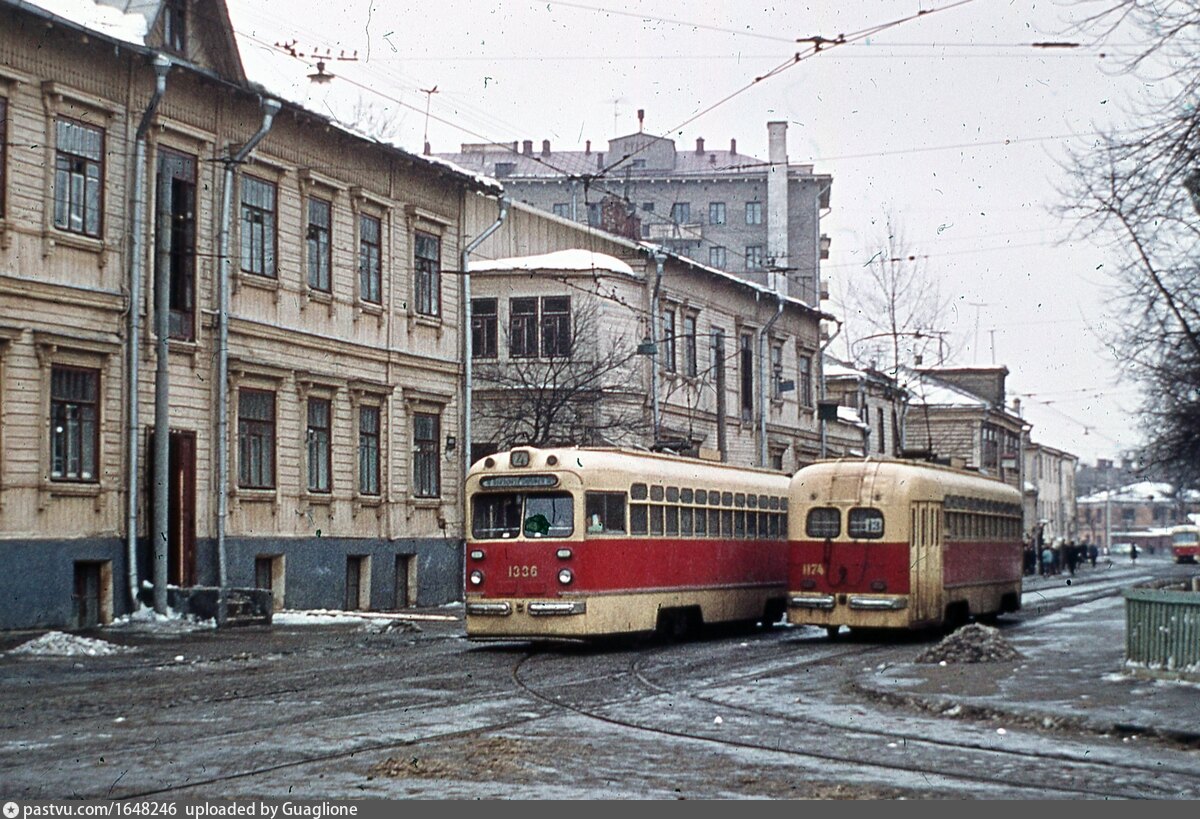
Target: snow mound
[974, 643]
[58, 644]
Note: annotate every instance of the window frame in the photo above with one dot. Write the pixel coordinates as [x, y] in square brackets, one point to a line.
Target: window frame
[716, 213]
[668, 360]
[250, 429]
[366, 436]
[681, 213]
[427, 274]
[370, 259]
[318, 441]
[523, 327]
[68, 174]
[267, 255]
[555, 326]
[754, 257]
[485, 328]
[61, 438]
[426, 454]
[691, 360]
[319, 248]
[182, 263]
[754, 213]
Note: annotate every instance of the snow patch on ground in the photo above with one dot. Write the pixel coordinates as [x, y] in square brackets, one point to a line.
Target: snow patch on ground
[58, 644]
[173, 622]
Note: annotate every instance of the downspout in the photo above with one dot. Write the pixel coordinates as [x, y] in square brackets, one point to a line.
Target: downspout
[468, 351]
[659, 258]
[161, 65]
[270, 108]
[762, 380]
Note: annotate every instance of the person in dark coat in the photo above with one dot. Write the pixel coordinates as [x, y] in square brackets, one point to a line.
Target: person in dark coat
[1071, 556]
[1093, 552]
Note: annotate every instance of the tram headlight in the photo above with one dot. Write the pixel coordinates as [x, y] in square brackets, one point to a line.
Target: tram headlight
[563, 554]
[476, 577]
[565, 576]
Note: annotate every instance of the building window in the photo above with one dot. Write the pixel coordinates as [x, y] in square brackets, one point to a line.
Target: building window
[648, 207]
[258, 226]
[716, 213]
[368, 450]
[180, 208]
[879, 423]
[484, 323]
[319, 420]
[74, 424]
[522, 328]
[562, 209]
[690, 364]
[505, 169]
[754, 213]
[806, 381]
[681, 213]
[556, 326]
[593, 214]
[716, 257]
[746, 373]
[175, 26]
[776, 371]
[428, 266]
[319, 245]
[754, 257]
[370, 279]
[78, 177]
[256, 439]
[638, 164]
[668, 340]
[427, 477]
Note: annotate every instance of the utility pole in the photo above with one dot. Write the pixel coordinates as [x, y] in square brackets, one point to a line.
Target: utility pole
[162, 403]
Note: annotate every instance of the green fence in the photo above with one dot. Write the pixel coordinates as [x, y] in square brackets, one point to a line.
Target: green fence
[1162, 631]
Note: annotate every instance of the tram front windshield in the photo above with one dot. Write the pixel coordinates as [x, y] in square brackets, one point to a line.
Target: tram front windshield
[1186, 538]
[509, 514]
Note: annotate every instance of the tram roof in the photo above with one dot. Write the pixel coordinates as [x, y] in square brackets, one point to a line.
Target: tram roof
[919, 477]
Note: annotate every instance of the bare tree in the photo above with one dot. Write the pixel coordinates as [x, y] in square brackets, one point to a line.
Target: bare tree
[582, 389]
[895, 303]
[1138, 189]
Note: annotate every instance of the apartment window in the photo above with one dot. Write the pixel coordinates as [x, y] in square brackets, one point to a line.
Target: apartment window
[776, 371]
[754, 214]
[368, 450]
[180, 209]
[484, 322]
[716, 213]
[370, 280]
[648, 207]
[427, 477]
[668, 340]
[522, 328]
[258, 226]
[690, 366]
[806, 381]
[746, 373]
[428, 266]
[74, 424]
[256, 439]
[562, 209]
[556, 326]
[879, 425]
[175, 26]
[716, 257]
[319, 418]
[681, 213]
[78, 177]
[754, 257]
[319, 245]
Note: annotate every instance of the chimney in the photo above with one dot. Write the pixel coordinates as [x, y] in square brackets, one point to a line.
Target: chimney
[427, 148]
[641, 118]
[733, 147]
[527, 147]
[588, 150]
[545, 147]
[699, 145]
[777, 208]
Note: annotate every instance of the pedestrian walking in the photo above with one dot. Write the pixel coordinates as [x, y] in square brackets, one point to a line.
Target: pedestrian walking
[1071, 555]
[1047, 561]
[1093, 552]
[1133, 552]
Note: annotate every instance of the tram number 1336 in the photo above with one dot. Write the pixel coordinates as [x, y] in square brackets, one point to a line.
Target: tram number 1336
[522, 571]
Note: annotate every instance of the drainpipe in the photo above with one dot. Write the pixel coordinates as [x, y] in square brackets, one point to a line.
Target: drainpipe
[762, 379]
[659, 258]
[468, 351]
[270, 108]
[161, 65]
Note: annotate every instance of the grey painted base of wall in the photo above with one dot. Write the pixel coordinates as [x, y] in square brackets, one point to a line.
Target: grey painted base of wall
[37, 584]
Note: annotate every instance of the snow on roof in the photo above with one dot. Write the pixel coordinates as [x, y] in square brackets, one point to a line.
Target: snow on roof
[849, 415]
[932, 392]
[128, 27]
[576, 259]
[840, 370]
[1134, 492]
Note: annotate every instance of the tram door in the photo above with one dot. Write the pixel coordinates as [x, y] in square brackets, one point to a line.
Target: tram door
[925, 573]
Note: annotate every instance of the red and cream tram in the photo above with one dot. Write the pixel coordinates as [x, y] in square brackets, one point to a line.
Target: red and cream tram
[1185, 543]
[901, 545]
[579, 543]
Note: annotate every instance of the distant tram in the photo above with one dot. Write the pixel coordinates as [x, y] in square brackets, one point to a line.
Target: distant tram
[1185, 543]
[579, 543]
[886, 544]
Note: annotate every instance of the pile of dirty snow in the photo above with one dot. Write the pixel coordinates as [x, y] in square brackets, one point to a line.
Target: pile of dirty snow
[58, 644]
[974, 643]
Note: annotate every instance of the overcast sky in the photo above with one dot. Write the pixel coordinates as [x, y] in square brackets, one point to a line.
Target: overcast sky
[953, 122]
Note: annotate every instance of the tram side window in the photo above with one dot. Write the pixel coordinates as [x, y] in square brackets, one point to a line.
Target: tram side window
[550, 515]
[864, 522]
[685, 520]
[638, 519]
[701, 523]
[714, 522]
[823, 522]
[672, 520]
[605, 512]
[496, 516]
[656, 519]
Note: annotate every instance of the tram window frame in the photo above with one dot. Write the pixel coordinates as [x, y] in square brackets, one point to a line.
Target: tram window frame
[638, 491]
[817, 522]
[556, 523]
[774, 503]
[610, 507]
[752, 501]
[656, 494]
[671, 513]
[727, 499]
[685, 495]
[752, 525]
[685, 521]
[483, 507]
[656, 520]
[714, 522]
[672, 494]
[772, 526]
[729, 524]
[739, 500]
[701, 522]
[639, 519]
[701, 497]
[868, 513]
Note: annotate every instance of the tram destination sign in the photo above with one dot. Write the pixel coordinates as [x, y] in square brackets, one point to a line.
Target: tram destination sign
[518, 481]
